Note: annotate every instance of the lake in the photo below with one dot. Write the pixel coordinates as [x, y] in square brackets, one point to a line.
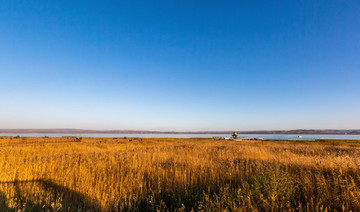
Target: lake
[264, 136]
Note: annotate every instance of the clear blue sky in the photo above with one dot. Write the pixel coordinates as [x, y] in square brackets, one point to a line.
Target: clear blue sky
[180, 65]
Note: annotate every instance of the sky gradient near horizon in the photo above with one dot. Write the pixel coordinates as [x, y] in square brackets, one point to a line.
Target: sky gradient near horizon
[180, 65]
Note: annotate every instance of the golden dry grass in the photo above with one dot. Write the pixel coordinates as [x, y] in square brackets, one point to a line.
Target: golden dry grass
[133, 174]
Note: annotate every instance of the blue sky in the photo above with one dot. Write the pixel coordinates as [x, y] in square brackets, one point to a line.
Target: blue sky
[180, 65]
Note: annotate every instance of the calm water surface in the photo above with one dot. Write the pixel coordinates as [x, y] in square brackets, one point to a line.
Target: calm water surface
[264, 136]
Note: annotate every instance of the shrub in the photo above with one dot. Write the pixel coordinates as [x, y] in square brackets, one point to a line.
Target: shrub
[273, 188]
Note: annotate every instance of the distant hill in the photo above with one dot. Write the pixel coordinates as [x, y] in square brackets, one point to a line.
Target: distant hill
[85, 131]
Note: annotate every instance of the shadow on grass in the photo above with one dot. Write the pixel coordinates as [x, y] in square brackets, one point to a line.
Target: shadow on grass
[43, 195]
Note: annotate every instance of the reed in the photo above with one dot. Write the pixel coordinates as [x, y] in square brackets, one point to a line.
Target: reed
[132, 174]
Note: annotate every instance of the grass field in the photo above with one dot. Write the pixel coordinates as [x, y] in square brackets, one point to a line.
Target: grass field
[139, 174]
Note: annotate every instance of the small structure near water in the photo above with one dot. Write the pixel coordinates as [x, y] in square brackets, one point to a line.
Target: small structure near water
[234, 135]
